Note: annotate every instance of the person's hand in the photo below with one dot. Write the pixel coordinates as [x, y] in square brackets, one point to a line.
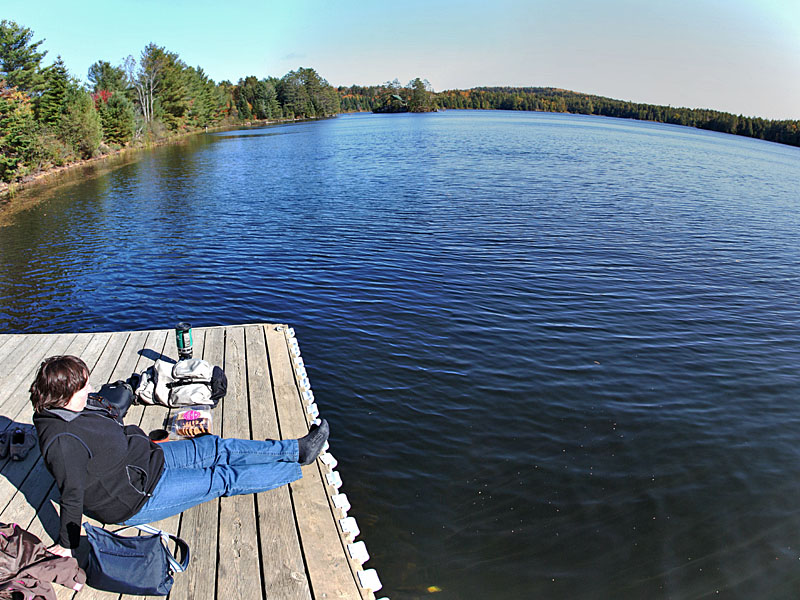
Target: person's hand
[60, 550]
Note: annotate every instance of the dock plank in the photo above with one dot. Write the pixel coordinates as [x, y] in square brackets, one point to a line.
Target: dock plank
[152, 417]
[328, 568]
[13, 353]
[238, 545]
[17, 373]
[199, 524]
[10, 343]
[282, 560]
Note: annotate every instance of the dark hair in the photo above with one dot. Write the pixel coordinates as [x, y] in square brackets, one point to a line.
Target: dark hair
[57, 380]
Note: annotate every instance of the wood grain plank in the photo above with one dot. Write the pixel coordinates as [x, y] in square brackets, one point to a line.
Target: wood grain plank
[8, 342]
[328, 568]
[199, 524]
[284, 572]
[238, 541]
[108, 359]
[18, 405]
[12, 353]
[129, 357]
[152, 350]
[153, 417]
[22, 367]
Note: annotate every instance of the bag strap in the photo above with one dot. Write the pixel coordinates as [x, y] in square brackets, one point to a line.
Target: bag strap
[187, 381]
[177, 567]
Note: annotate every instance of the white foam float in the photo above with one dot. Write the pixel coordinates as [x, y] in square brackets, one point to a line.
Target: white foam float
[358, 552]
[341, 502]
[349, 527]
[334, 479]
[313, 410]
[328, 460]
[369, 580]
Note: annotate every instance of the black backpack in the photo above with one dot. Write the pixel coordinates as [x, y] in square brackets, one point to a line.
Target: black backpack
[115, 397]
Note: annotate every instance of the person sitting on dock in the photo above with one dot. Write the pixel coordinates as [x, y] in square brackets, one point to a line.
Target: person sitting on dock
[116, 474]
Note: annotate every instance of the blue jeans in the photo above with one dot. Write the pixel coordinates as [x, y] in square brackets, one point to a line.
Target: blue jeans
[200, 469]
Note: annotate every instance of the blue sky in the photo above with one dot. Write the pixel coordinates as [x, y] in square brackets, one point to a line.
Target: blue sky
[741, 56]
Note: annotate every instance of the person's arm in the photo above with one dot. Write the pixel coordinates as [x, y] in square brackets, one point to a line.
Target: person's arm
[68, 460]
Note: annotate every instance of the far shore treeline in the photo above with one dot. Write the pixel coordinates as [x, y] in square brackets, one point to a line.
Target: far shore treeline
[357, 98]
[48, 118]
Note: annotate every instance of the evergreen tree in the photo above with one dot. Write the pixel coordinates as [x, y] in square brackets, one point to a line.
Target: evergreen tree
[273, 109]
[80, 126]
[204, 100]
[303, 93]
[242, 105]
[420, 97]
[19, 59]
[116, 116]
[226, 100]
[273, 103]
[52, 104]
[174, 94]
[104, 76]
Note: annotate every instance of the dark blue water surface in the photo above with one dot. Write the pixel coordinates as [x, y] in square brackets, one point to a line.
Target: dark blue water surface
[560, 354]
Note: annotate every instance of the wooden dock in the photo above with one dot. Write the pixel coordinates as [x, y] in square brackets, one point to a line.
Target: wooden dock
[281, 544]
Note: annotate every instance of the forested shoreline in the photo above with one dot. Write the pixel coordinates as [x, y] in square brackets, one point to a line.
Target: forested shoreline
[369, 98]
[49, 118]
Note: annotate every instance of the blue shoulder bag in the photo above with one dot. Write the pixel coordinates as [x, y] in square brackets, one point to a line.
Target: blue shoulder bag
[141, 565]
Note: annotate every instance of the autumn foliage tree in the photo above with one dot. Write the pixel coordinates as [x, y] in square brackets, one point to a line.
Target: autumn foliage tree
[17, 131]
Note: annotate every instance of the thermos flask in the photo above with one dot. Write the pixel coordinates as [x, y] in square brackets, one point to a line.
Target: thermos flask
[183, 339]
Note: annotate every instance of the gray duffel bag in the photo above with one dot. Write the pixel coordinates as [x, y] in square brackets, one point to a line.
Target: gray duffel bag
[189, 382]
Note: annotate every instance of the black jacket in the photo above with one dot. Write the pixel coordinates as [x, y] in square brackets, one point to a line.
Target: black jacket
[103, 468]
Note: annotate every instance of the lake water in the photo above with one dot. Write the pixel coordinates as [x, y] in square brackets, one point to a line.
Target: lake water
[559, 353]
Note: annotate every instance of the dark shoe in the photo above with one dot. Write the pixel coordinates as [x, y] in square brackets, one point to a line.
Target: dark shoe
[5, 440]
[22, 440]
[310, 445]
